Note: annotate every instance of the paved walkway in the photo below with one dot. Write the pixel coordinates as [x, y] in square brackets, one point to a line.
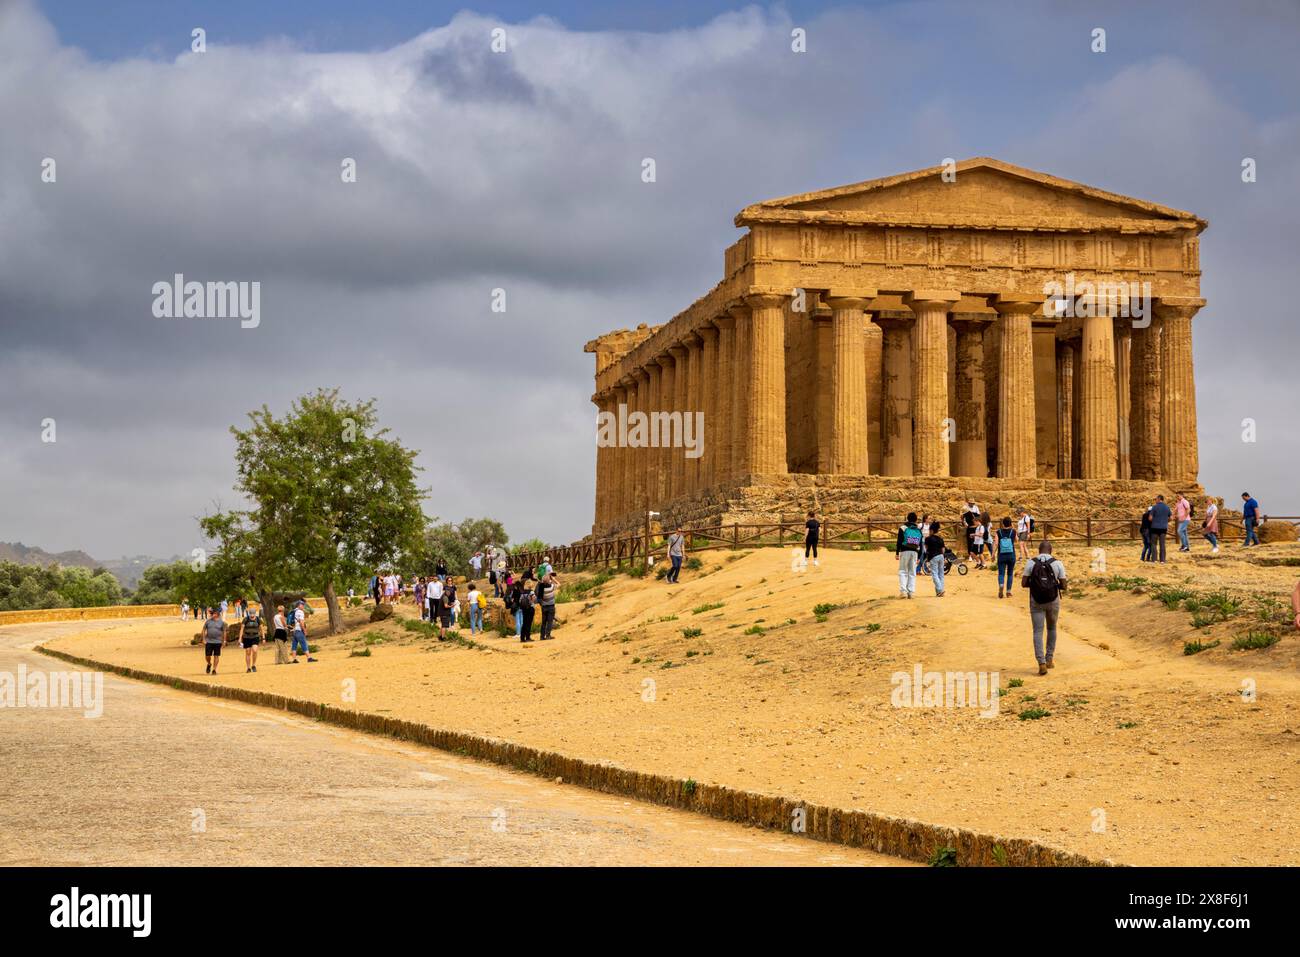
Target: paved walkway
[167, 777]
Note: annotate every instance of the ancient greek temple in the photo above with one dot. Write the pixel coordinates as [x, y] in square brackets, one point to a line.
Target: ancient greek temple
[975, 325]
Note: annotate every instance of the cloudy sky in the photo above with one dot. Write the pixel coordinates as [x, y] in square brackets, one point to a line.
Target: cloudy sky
[521, 171]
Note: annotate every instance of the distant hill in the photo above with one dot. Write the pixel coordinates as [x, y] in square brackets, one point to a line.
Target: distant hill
[31, 555]
[126, 569]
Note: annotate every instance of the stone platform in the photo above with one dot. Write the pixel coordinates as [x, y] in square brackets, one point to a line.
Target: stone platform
[771, 498]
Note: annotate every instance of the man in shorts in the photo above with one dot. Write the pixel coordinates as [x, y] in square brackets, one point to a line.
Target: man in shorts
[214, 636]
[251, 637]
[1024, 528]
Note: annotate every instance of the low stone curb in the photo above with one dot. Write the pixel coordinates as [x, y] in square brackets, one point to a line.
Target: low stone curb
[898, 837]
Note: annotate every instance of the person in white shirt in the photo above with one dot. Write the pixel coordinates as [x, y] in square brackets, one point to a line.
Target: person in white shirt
[476, 563]
[433, 598]
[281, 636]
[1024, 528]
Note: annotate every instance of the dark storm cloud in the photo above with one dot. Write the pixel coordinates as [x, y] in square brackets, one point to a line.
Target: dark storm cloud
[521, 171]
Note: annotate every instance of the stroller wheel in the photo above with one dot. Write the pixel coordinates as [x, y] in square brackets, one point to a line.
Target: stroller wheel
[962, 569]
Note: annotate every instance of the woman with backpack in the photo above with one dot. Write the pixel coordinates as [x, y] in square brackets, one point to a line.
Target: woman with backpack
[1148, 546]
[1006, 553]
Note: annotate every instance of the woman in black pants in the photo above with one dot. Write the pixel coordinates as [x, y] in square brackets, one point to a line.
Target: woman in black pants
[810, 539]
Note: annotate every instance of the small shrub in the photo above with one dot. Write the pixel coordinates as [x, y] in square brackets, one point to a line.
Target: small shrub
[754, 630]
[1253, 641]
[1033, 714]
[709, 607]
[1016, 683]
[1197, 646]
[692, 632]
[362, 653]
[944, 857]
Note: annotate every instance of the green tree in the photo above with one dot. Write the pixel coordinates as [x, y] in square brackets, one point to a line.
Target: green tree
[158, 584]
[454, 544]
[87, 588]
[333, 496]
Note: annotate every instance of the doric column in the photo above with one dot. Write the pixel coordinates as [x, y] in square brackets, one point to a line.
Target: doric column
[742, 356]
[720, 430]
[1123, 434]
[873, 343]
[681, 401]
[1179, 451]
[1017, 448]
[896, 395]
[654, 485]
[1076, 406]
[1098, 416]
[824, 395]
[1064, 410]
[766, 426]
[930, 423]
[602, 464]
[708, 404]
[694, 377]
[992, 363]
[848, 386]
[971, 452]
[641, 454]
[667, 402]
[1043, 330]
[620, 496]
[1144, 401]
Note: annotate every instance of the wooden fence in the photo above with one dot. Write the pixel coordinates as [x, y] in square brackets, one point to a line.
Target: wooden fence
[840, 533]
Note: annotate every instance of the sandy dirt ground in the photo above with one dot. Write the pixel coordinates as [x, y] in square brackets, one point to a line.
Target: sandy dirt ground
[166, 777]
[1146, 755]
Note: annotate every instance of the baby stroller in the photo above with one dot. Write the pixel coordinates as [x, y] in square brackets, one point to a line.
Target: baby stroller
[949, 559]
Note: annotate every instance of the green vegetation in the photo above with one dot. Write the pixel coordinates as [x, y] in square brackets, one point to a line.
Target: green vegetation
[701, 609]
[944, 857]
[1254, 640]
[359, 653]
[754, 630]
[25, 587]
[1197, 646]
[1033, 714]
[583, 588]
[692, 632]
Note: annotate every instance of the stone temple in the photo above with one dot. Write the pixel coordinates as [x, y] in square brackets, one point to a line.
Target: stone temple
[901, 343]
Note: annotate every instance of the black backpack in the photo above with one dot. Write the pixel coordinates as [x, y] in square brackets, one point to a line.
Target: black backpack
[526, 599]
[1043, 586]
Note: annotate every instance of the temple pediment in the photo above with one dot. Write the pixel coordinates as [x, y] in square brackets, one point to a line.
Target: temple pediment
[986, 193]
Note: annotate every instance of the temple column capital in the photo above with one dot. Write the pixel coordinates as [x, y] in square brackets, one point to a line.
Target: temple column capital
[1178, 307]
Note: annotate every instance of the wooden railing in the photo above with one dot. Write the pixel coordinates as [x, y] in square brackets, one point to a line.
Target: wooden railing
[843, 533]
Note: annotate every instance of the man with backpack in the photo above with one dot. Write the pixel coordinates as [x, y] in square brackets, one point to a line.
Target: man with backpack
[908, 546]
[546, 598]
[1045, 578]
[526, 603]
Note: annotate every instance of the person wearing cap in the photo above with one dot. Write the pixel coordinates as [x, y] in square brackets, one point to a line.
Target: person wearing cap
[300, 632]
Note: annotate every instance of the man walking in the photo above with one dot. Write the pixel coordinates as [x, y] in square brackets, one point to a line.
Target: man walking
[250, 637]
[1183, 516]
[546, 597]
[1250, 518]
[300, 633]
[676, 553]
[1210, 527]
[214, 636]
[1160, 515]
[934, 558]
[1045, 578]
[280, 636]
[908, 547]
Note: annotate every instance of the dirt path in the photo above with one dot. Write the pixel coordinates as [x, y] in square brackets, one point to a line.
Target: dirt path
[166, 777]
